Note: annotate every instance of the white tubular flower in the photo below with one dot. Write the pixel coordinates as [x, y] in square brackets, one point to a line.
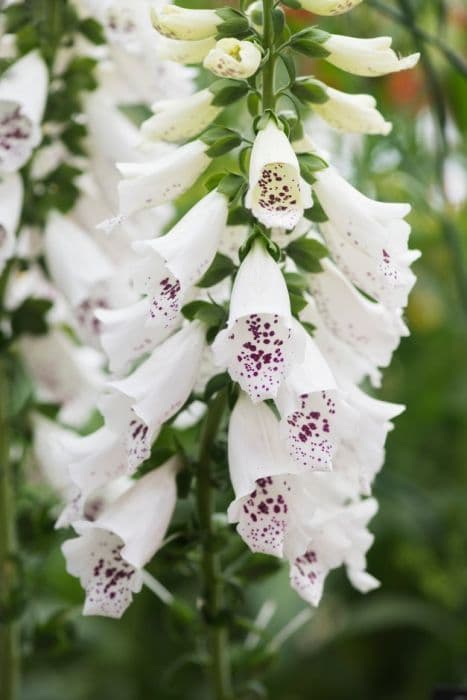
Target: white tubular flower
[23, 92]
[50, 447]
[353, 113]
[11, 201]
[346, 363]
[125, 334]
[73, 379]
[315, 416]
[176, 261]
[232, 58]
[259, 344]
[185, 52]
[110, 553]
[329, 7]
[368, 327]
[147, 185]
[366, 57]
[180, 119]
[160, 386]
[336, 538]
[176, 22]
[277, 194]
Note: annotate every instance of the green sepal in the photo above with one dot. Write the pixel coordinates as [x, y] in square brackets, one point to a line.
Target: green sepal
[310, 90]
[232, 186]
[209, 313]
[310, 163]
[221, 267]
[306, 253]
[30, 317]
[296, 283]
[220, 140]
[215, 384]
[272, 248]
[239, 216]
[293, 4]
[92, 30]
[297, 303]
[234, 23]
[309, 327]
[310, 42]
[253, 103]
[316, 213]
[227, 91]
[278, 21]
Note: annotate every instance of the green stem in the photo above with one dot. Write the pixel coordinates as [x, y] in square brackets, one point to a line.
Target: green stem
[9, 633]
[268, 44]
[211, 565]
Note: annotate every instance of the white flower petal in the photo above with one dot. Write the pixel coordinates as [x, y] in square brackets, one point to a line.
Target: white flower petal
[185, 52]
[352, 113]
[329, 7]
[180, 119]
[176, 22]
[367, 57]
[231, 58]
[11, 199]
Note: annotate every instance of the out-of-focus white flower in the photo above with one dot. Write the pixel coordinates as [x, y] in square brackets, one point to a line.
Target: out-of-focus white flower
[329, 7]
[159, 387]
[185, 52]
[259, 344]
[147, 185]
[367, 57]
[23, 91]
[110, 553]
[372, 330]
[336, 538]
[11, 200]
[277, 194]
[353, 113]
[72, 379]
[232, 58]
[176, 22]
[180, 119]
[176, 261]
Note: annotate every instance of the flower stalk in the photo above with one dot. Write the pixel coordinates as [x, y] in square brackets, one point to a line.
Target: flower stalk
[268, 46]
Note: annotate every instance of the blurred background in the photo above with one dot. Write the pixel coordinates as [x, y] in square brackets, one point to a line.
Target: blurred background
[410, 637]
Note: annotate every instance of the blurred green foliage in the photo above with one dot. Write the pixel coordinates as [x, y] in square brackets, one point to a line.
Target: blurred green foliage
[401, 641]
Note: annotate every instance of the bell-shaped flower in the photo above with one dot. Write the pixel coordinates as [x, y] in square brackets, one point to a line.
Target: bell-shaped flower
[336, 538]
[110, 552]
[366, 57]
[150, 184]
[73, 379]
[176, 22]
[232, 58]
[372, 330]
[353, 113]
[329, 7]
[315, 416]
[160, 386]
[346, 363]
[277, 194]
[125, 334]
[185, 52]
[180, 119]
[259, 343]
[11, 200]
[175, 262]
[23, 92]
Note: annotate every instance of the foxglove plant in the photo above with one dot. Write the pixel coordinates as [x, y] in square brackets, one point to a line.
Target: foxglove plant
[259, 312]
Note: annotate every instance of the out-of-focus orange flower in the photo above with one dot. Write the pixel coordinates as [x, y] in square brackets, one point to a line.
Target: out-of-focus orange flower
[407, 89]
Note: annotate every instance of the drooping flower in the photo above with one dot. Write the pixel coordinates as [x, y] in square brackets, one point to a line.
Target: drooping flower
[277, 194]
[329, 7]
[259, 343]
[11, 200]
[366, 57]
[23, 91]
[180, 119]
[109, 554]
[232, 58]
[176, 261]
[337, 537]
[176, 22]
[151, 184]
[185, 52]
[159, 387]
[371, 329]
[353, 113]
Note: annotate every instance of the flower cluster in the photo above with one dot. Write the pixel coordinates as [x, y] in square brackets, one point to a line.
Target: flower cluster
[282, 284]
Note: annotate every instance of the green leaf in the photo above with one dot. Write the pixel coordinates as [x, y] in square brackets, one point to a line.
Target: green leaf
[239, 216]
[227, 91]
[215, 384]
[220, 268]
[306, 253]
[92, 30]
[30, 317]
[223, 145]
[253, 103]
[310, 90]
[296, 283]
[208, 313]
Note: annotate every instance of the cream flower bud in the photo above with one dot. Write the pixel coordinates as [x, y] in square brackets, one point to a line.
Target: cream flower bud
[353, 113]
[232, 58]
[367, 57]
[329, 7]
[176, 22]
[180, 119]
[185, 52]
